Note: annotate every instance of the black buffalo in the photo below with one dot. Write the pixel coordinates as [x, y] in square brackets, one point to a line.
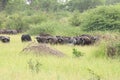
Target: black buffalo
[46, 39]
[25, 37]
[87, 39]
[5, 39]
[8, 31]
[60, 39]
[52, 40]
[41, 39]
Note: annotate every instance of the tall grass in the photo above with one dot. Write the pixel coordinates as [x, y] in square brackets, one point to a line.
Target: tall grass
[14, 65]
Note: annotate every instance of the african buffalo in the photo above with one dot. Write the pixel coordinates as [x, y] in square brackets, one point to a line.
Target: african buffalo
[87, 39]
[41, 39]
[66, 39]
[7, 31]
[59, 40]
[5, 39]
[52, 40]
[25, 37]
[14, 32]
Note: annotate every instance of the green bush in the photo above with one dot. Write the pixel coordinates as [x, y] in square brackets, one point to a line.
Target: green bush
[75, 20]
[41, 28]
[21, 20]
[3, 19]
[107, 49]
[100, 51]
[94, 76]
[34, 66]
[54, 28]
[77, 53]
[35, 18]
[113, 49]
[102, 18]
[14, 21]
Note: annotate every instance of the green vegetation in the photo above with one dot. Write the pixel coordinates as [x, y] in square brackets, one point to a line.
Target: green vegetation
[71, 18]
[41, 16]
[77, 53]
[113, 50]
[75, 20]
[14, 63]
[102, 18]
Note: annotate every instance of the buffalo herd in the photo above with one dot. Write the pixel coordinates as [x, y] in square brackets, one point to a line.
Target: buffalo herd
[9, 31]
[84, 39]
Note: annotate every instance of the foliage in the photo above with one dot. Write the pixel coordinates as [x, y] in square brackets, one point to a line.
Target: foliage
[77, 53]
[100, 51]
[83, 5]
[109, 2]
[21, 20]
[44, 27]
[113, 50]
[14, 6]
[34, 66]
[53, 5]
[2, 19]
[36, 5]
[15, 21]
[102, 18]
[94, 75]
[75, 19]
[54, 28]
[3, 4]
[35, 18]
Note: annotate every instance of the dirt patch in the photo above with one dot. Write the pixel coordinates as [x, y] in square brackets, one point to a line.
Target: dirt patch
[42, 49]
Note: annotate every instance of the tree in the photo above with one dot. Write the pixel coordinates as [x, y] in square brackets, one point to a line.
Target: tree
[83, 5]
[3, 3]
[102, 18]
[108, 2]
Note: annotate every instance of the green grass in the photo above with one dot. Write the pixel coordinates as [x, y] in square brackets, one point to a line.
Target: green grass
[14, 65]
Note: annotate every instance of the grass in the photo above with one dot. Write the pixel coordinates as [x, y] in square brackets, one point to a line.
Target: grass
[14, 65]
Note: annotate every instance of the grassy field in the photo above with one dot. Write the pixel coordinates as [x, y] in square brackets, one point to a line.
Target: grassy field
[15, 65]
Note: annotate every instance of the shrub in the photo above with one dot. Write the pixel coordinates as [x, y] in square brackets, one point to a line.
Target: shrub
[15, 21]
[94, 76]
[2, 19]
[54, 28]
[21, 20]
[41, 28]
[102, 18]
[100, 51]
[35, 18]
[107, 49]
[113, 49]
[75, 19]
[34, 66]
[77, 53]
